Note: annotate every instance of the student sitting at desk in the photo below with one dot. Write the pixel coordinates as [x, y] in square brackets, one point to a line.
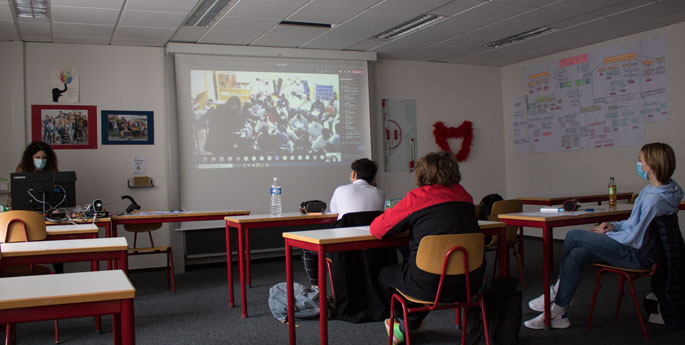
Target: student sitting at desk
[439, 206]
[359, 196]
[38, 156]
[623, 240]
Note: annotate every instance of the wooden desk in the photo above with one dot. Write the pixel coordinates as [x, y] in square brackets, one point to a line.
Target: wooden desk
[146, 217]
[72, 231]
[243, 224]
[355, 238]
[61, 296]
[48, 252]
[559, 199]
[548, 221]
[100, 222]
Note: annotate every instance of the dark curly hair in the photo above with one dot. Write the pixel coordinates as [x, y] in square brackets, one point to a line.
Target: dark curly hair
[27, 158]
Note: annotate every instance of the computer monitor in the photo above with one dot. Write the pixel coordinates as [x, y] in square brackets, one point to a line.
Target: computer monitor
[43, 191]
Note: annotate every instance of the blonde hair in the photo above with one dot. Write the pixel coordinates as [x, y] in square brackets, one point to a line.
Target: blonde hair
[437, 168]
[661, 158]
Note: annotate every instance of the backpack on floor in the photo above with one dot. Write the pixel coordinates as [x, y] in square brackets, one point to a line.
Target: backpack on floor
[306, 301]
[503, 310]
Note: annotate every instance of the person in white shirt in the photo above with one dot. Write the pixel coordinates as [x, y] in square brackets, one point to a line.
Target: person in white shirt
[359, 196]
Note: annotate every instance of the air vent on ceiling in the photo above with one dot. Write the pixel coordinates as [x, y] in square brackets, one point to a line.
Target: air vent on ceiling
[306, 24]
[520, 37]
[207, 12]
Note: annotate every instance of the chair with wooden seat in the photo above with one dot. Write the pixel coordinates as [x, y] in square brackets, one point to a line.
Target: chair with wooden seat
[22, 226]
[632, 198]
[453, 254]
[149, 228]
[502, 207]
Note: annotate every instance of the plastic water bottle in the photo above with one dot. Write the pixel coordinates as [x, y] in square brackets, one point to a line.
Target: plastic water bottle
[275, 207]
[612, 192]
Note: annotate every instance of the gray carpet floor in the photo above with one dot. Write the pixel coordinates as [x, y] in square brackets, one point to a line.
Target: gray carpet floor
[199, 313]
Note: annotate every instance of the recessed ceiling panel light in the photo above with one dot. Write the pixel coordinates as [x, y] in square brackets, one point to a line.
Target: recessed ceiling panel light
[411, 26]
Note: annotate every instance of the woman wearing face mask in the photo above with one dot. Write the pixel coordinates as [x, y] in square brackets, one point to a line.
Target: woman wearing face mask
[38, 156]
[617, 243]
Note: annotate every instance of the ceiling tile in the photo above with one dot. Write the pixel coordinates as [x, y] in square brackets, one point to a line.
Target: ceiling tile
[423, 5]
[411, 57]
[582, 6]
[82, 30]
[143, 43]
[240, 24]
[457, 6]
[413, 42]
[496, 11]
[152, 19]
[384, 19]
[498, 31]
[81, 15]
[189, 34]
[224, 37]
[442, 50]
[544, 17]
[531, 3]
[36, 38]
[459, 25]
[178, 6]
[8, 31]
[112, 4]
[5, 11]
[343, 36]
[263, 9]
[366, 45]
[143, 34]
[34, 27]
[324, 14]
[305, 32]
[579, 19]
[465, 53]
[81, 40]
[271, 40]
[622, 6]
[348, 3]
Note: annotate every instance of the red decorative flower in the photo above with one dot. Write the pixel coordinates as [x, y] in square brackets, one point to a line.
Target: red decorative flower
[464, 131]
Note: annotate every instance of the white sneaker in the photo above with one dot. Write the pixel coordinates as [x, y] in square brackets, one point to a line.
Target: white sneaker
[558, 321]
[538, 304]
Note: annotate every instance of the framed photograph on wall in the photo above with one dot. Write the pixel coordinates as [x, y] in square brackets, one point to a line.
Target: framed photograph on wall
[127, 127]
[65, 126]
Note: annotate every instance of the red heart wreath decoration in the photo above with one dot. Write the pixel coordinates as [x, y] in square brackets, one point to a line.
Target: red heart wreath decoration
[465, 131]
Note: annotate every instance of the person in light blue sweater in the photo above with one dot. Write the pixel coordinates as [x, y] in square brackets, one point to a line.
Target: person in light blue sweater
[617, 243]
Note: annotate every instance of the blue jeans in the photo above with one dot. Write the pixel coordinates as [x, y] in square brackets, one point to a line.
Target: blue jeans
[582, 247]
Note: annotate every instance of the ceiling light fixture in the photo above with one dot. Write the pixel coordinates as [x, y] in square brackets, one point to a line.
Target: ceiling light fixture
[35, 9]
[207, 12]
[411, 26]
[306, 24]
[520, 37]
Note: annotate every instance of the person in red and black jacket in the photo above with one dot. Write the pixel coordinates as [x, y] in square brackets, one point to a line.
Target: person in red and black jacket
[439, 206]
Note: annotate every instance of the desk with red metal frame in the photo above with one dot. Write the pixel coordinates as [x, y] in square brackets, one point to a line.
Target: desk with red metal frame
[100, 222]
[243, 224]
[548, 221]
[146, 217]
[69, 295]
[48, 252]
[71, 231]
[355, 238]
[559, 199]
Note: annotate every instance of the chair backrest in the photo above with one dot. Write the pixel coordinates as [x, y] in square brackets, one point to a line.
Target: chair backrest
[485, 205]
[507, 206]
[632, 198]
[12, 224]
[142, 227]
[432, 250]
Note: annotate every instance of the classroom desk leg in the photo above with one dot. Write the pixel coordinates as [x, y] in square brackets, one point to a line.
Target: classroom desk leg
[503, 256]
[247, 256]
[291, 294]
[548, 262]
[241, 265]
[323, 297]
[229, 265]
[123, 261]
[128, 335]
[116, 328]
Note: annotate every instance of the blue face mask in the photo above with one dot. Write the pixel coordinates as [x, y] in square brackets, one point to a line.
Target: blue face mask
[642, 174]
[40, 163]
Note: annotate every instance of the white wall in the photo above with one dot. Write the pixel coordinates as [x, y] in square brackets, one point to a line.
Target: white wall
[449, 93]
[111, 78]
[12, 131]
[589, 170]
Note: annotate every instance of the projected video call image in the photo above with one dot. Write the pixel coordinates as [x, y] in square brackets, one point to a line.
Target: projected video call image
[251, 119]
